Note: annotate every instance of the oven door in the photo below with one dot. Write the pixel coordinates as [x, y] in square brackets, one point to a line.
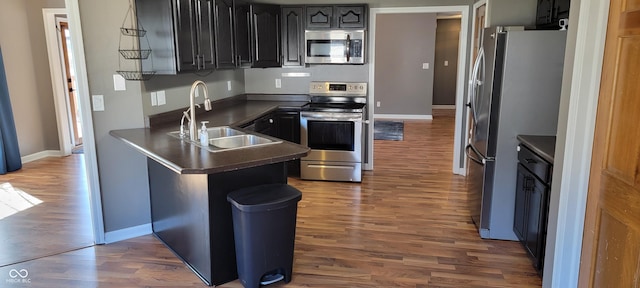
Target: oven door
[332, 136]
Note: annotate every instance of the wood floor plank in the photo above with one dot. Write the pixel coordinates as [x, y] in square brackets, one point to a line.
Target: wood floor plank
[406, 225]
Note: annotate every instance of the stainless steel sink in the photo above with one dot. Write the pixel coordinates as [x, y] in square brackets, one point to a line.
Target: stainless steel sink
[224, 138]
[214, 132]
[240, 141]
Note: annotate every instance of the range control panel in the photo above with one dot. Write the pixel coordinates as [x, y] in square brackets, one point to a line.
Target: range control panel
[338, 88]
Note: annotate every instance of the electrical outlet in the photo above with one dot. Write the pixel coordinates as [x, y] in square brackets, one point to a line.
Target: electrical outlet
[197, 92]
[446, 63]
[228, 85]
[98, 102]
[378, 104]
[278, 83]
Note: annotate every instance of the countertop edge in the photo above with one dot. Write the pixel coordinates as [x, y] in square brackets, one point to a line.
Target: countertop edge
[542, 145]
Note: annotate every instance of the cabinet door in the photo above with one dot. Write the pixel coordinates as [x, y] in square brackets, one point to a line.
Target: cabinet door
[292, 36]
[267, 125]
[205, 58]
[561, 10]
[266, 35]
[544, 12]
[242, 22]
[185, 28]
[351, 16]
[289, 126]
[535, 221]
[319, 17]
[224, 40]
[522, 188]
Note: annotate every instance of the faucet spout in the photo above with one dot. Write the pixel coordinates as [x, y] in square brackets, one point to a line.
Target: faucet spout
[192, 116]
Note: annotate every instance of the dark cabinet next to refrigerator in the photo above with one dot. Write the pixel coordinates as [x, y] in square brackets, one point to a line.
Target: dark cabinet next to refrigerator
[549, 12]
[533, 187]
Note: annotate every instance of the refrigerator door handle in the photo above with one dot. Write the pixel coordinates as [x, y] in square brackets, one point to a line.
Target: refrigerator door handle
[469, 149]
[474, 83]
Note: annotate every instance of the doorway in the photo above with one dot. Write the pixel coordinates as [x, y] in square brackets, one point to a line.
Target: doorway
[458, 159]
[73, 108]
[63, 80]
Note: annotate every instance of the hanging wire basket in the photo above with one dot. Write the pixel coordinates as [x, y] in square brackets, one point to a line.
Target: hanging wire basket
[135, 53]
[133, 32]
[130, 48]
[136, 75]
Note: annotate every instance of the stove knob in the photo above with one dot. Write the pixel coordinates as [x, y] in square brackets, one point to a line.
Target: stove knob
[361, 87]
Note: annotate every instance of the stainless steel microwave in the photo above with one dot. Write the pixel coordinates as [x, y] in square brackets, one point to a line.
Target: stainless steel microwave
[335, 46]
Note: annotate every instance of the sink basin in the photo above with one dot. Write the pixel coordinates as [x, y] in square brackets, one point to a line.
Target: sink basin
[240, 141]
[214, 132]
[223, 131]
[223, 138]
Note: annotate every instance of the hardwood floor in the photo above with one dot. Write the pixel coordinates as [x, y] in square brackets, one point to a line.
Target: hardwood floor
[405, 225]
[62, 222]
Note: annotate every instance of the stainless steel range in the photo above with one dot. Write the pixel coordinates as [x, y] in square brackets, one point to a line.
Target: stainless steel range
[332, 125]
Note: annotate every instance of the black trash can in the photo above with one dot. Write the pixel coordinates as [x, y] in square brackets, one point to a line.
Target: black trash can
[264, 226]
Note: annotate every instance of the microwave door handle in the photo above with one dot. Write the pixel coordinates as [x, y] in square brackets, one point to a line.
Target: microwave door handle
[348, 48]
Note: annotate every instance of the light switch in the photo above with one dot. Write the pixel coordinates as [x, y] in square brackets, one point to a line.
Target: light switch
[118, 83]
[446, 63]
[161, 98]
[154, 99]
[228, 85]
[278, 83]
[425, 66]
[98, 102]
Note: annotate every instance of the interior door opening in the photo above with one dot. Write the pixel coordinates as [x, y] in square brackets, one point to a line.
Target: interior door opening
[73, 109]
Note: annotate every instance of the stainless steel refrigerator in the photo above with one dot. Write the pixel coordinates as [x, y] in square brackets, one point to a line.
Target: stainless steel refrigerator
[514, 89]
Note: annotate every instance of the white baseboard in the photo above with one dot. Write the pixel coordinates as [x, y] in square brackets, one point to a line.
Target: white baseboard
[127, 233]
[41, 155]
[403, 117]
[452, 107]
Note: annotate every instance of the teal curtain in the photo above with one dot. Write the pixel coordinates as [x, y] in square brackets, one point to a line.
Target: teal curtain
[9, 150]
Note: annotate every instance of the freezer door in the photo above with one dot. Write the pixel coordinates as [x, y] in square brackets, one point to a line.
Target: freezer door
[479, 186]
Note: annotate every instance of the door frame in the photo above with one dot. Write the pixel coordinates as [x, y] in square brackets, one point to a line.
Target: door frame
[58, 77]
[460, 79]
[72, 11]
[578, 104]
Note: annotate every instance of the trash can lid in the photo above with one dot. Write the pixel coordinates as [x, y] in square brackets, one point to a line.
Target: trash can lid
[264, 197]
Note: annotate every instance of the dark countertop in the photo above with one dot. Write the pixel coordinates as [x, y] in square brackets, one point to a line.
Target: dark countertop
[545, 146]
[185, 158]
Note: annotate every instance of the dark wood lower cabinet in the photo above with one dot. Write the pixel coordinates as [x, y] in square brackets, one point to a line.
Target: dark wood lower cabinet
[532, 206]
[191, 216]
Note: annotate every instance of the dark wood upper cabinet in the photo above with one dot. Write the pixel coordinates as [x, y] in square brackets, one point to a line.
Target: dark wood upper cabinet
[180, 35]
[319, 17]
[292, 35]
[242, 24]
[224, 34]
[336, 16]
[352, 16]
[549, 12]
[265, 22]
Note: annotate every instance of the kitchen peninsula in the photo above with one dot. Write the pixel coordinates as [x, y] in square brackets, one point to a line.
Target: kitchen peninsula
[188, 185]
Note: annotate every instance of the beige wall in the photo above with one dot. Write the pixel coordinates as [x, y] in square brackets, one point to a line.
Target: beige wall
[27, 66]
[403, 43]
[444, 78]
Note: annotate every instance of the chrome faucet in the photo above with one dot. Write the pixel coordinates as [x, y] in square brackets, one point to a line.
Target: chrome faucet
[190, 113]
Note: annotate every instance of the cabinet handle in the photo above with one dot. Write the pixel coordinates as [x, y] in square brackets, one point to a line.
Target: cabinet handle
[249, 36]
[528, 183]
[530, 161]
[233, 42]
[255, 36]
[278, 38]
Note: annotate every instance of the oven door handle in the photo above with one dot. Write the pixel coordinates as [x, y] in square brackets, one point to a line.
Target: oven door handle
[319, 116]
